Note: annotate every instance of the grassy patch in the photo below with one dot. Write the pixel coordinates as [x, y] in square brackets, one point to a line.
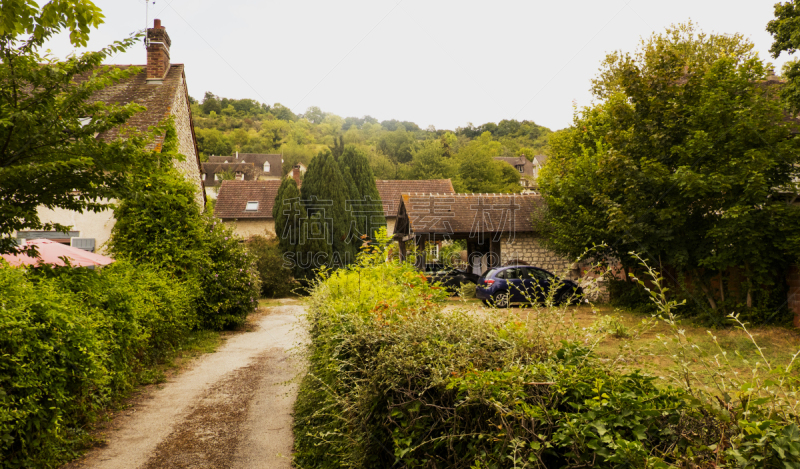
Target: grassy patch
[269, 302]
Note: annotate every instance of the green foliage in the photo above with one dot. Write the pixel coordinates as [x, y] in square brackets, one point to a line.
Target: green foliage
[276, 277]
[161, 225]
[686, 159]
[368, 210]
[325, 194]
[784, 29]
[479, 172]
[47, 102]
[396, 381]
[72, 341]
[393, 149]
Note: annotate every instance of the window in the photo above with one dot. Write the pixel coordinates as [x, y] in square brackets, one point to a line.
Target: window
[251, 206]
[239, 176]
[204, 176]
[266, 167]
[521, 169]
[216, 177]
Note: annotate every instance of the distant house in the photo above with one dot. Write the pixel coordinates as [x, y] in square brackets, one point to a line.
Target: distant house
[247, 206]
[528, 170]
[390, 191]
[244, 166]
[497, 228]
[161, 88]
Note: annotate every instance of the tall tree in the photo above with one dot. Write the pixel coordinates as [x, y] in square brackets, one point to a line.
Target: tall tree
[687, 159]
[300, 239]
[368, 212]
[785, 30]
[49, 155]
[324, 194]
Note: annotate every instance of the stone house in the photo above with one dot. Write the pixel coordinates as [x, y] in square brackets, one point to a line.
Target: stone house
[390, 191]
[498, 229]
[161, 88]
[247, 206]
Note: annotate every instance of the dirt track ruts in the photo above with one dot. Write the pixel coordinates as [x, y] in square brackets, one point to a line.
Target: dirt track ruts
[230, 409]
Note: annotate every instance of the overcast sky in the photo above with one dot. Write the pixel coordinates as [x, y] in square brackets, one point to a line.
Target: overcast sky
[440, 63]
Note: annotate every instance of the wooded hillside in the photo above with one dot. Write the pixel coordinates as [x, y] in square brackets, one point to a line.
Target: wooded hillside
[396, 149]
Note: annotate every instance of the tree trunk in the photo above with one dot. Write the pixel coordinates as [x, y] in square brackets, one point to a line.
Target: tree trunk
[706, 290]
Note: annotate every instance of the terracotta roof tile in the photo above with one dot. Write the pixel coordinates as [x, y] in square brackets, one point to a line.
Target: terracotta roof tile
[467, 213]
[234, 195]
[158, 99]
[390, 191]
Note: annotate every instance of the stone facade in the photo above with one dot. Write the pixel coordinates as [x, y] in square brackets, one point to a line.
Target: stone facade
[248, 228]
[526, 247]
[189, 167]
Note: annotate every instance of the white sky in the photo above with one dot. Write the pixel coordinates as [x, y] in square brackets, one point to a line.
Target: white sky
[440, 63]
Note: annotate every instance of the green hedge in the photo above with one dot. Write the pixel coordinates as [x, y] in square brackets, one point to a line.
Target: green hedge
[395, 380]
[71, 342]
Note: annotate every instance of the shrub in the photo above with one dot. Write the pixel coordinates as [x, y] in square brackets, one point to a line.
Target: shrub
[162, 226]
[71, 342]
[276, 278]
[396, 381]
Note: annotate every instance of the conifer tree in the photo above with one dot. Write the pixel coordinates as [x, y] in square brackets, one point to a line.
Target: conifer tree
[369, 212]
[324, 194]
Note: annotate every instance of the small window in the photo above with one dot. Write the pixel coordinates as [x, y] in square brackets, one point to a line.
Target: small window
[216, 177]
[521, 169]
[240, 176]
[266, 167]
[204, 176]
[251, 207]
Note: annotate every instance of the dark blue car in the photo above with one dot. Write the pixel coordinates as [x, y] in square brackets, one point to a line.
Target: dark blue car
[502, 286]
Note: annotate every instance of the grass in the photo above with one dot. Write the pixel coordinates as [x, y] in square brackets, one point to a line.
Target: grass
[653, 349]
[198, 343]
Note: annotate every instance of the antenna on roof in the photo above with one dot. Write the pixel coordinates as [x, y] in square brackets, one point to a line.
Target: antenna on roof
[147, 20]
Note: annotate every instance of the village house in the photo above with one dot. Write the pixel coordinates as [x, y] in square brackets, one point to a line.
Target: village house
[528, 169]
[498, 229]
[161, 88]
[246, 205]
[243, 167]
[390, 191]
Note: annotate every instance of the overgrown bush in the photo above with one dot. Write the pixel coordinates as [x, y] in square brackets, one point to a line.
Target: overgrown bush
[71, 342]
[396, 381]
[276, 278]
[161, 225]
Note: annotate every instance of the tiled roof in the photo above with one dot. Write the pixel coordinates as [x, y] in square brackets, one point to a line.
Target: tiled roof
[513, 161]
[541, 159]
[257, 160]
[158, 99]
[215, 168]
[390, 191]
[467, 213]
[234, 195]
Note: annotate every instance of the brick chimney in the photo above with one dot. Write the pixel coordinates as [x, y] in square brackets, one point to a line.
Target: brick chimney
[296, 175]
[158, 43]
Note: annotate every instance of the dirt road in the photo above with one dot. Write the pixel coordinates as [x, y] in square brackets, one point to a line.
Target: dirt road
[231, 409]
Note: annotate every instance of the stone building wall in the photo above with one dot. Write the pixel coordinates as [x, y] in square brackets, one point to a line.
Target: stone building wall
[526, 247]
[183, 125]
[248, 228]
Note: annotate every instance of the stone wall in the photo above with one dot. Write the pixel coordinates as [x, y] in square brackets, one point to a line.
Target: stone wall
[183, 125]
[526, 247]
[248, 228]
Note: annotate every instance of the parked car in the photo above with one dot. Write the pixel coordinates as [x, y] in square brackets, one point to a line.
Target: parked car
[451, 279]
[503, 286]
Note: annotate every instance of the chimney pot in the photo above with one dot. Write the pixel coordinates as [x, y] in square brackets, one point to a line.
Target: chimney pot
[157, 24]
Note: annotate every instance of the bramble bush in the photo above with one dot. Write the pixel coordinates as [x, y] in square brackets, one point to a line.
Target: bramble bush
[72, 341]
[394, 380]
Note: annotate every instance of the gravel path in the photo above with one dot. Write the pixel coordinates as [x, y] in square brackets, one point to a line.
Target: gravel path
[231, 409]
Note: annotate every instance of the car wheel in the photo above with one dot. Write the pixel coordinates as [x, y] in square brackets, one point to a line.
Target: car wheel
[486, 302]
[501, 299]
[567, 297]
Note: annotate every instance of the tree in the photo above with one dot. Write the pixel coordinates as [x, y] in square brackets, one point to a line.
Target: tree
[429, 161]
[785, 29]
[686, 159]
[211, 103]
[369, 209]
[324, 194]
[49, 155]
[479, 172]
[292, 228]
